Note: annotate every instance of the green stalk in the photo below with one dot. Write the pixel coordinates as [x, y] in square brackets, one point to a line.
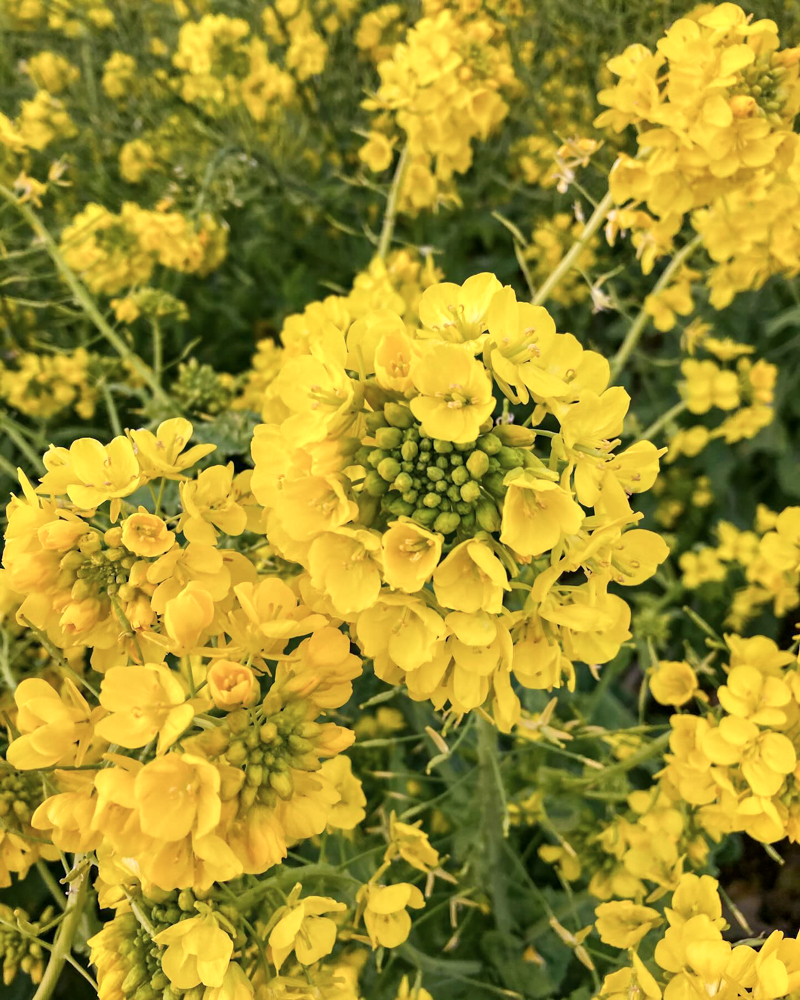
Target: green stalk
[86, 301]
[598, 217]
[494, 824]
[637, 328]
[389, 219]
[62, 946]
[658, 425]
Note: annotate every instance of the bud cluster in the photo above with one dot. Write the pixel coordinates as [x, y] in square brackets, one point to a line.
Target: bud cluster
[762, 91]
[18, 949]
[20, 794]
[91, 570]
[268, 752]
[452, 488]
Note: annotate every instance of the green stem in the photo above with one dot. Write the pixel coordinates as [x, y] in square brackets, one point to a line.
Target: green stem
[111, 409]
[651, 750]
[596, 220]
[637, 328]
[158, 351]
[389, 219]
[658, 425]
[52, 885]
[59, 658]
[11, 429]
[494, 820]
[85, 299]
[62, 945]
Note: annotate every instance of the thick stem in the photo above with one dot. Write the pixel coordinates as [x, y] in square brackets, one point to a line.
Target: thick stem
[389, 219]
[493, 822]
[85, 299]
[637, 328]
[64, 937]
[598, 217]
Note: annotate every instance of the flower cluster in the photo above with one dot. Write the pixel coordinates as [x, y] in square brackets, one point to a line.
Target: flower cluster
[441, 88]
[438, 534]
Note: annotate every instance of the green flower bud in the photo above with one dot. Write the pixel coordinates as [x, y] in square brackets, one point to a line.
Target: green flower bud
[403, 483]
[410, 496]
[487, 515]
[478, 464]
[431, 499]
[443, 447]
[509, 458]
[282, 783]
[376, 485]
[389, 438]
[470, 492]
[398, 507]
[424, 515]
[367, 505]
[375, 457]
[468, 522]
[490, 443]
[434, 474]
[374, 421]
[398, 415]
[389, 469]
[441, 486]
[409, 450]
[453, 494]
[446, 523]
[460, 475]
[456, 459]
[494, 484]
[442, 463]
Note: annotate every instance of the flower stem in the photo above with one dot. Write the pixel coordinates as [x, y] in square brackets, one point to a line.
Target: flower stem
[64, 936]
[494, 824]
[85, 299]
[637, 328]
[389, 219]
[598, 217]
[663, 420]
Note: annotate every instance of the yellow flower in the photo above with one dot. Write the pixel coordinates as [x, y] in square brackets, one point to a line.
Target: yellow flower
[674, 682]
[187, 615]
[537, 513]
[162, 454]
[471, 578]
[232, 685]
[349, 811]
[455, 393]
[410, 555]
[765, 758]
[146, 534]
[388, 923]
[176, 795]
[749, 694]
[210, 506]
[623, 923]
[145, 702]
[377, 152]
[55, 729]
[412, 844]
[344, 565]
[198, 952]
[303, 930]
[458, 313]
[102, 474]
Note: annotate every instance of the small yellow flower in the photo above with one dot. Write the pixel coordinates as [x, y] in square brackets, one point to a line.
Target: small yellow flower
[388, 923]
[471, 579]
[455, 392]
[232, 685]
[56, 729]
[144, 702]
[188, 614]
[412, 844]
[176, 795]
[674, 682]
[162, 454]
[537, 513]
[623, 923]
[146, 534]
[303, 929]
[198, 952]
[410, 555]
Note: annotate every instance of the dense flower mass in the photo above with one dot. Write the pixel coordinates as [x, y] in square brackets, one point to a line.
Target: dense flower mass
[440, 531]
[401, 557]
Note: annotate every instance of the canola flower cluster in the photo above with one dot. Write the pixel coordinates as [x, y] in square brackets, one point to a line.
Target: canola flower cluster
[714, 108]
[394, 476]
